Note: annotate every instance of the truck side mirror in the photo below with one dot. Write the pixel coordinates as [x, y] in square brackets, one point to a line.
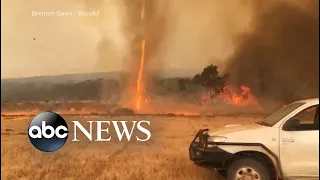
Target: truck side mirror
[291, 125]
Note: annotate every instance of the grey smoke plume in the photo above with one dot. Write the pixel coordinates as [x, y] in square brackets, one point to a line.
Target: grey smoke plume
[275, 55]
[279, 57]
[179, 33]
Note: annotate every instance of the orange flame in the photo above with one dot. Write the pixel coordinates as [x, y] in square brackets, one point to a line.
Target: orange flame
[139, 79]
[142, 10]
[243, 99]
[140, 74]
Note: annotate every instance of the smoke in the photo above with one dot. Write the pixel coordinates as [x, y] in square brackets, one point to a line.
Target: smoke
[122, 30]
[270, 46]
[151, 28]
[279, 58]
[179, 33]
[201, 32]
[113, 44]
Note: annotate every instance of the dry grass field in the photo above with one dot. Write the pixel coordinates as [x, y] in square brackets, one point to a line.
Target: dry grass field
[165, 156]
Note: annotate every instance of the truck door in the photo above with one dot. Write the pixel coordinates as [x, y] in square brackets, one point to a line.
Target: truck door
[299, 144]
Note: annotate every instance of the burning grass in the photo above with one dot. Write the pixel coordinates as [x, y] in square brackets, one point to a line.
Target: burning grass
[165, 157]
[243, 98]
[161, 106]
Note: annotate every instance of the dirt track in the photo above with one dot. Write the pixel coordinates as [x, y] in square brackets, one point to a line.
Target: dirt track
[164, 157]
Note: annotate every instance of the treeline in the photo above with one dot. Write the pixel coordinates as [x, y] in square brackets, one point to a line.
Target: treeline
[105, 89]
[85, 90]
[99, 89]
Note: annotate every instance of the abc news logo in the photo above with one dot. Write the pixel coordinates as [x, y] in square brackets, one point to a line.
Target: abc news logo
[48, 131]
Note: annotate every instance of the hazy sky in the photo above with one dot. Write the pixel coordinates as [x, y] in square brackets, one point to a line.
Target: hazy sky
[199, 32]
[61, 45]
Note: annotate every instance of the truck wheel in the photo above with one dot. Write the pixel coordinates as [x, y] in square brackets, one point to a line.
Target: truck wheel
[248, 169]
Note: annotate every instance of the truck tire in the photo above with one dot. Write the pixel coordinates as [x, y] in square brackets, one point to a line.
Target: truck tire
[248, 168]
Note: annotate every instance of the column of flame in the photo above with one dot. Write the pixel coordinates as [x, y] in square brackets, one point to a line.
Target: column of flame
[140, 74]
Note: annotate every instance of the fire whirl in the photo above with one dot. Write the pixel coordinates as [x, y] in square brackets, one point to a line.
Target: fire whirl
[139, 79]
[140, 74]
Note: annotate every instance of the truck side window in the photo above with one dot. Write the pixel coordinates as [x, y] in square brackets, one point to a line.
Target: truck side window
[309, 119]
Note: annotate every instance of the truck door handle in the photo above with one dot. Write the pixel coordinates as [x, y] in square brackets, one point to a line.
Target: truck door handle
[287, 140]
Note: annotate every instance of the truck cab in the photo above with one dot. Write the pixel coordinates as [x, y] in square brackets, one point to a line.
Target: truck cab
[285, 145]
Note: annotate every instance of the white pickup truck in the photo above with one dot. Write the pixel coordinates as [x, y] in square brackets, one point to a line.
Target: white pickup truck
[285, 145]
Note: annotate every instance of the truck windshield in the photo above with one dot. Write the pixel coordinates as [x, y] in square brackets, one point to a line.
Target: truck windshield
[281, 113]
